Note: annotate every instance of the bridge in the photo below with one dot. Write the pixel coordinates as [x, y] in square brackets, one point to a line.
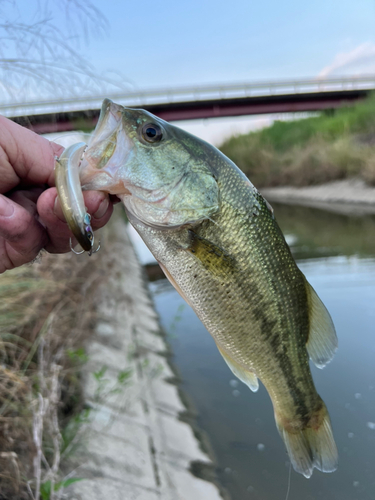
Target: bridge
[188, 103]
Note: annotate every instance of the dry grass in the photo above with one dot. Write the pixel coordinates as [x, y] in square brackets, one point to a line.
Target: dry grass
[316, 162]
[46, 310]
[310, 151]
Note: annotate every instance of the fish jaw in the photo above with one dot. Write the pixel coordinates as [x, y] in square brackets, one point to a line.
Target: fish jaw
[108, 151]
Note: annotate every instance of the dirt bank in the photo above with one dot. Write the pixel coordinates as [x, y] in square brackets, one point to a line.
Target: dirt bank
[349, 196]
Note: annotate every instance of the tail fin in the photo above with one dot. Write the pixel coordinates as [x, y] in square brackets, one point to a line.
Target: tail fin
[313, 446]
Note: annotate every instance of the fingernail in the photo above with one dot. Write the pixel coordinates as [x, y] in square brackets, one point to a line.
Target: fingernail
[6, 207]
[103, 207]
[57, 210]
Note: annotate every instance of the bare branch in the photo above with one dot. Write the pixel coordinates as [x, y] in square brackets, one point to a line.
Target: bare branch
[40, 56]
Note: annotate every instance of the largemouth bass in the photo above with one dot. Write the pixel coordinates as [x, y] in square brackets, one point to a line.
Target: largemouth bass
[218, 242]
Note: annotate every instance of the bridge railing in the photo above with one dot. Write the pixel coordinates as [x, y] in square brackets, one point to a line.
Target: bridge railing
[140, 98]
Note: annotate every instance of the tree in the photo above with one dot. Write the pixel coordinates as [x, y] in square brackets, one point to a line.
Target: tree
[39, 59]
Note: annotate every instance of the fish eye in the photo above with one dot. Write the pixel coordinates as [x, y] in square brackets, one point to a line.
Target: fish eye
[152, 132]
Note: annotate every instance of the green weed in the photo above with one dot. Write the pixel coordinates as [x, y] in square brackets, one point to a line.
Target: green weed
[46, 488]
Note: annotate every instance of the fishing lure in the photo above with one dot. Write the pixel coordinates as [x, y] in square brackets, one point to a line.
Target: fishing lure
[71, 198]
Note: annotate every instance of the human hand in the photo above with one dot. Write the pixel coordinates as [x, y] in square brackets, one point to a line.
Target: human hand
[30, 214]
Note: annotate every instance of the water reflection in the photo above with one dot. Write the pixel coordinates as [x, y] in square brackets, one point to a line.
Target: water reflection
[337, 254]
[316, 233]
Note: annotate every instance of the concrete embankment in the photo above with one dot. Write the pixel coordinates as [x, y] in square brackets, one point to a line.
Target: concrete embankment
[134, 447]
[349, 196]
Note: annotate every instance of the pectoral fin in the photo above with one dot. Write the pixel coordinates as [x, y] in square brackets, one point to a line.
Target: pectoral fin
[247, 377]
[213, 258]
[322, 341]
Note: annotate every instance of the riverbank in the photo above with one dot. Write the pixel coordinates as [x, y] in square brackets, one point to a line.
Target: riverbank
[348, 196]
[328, 147]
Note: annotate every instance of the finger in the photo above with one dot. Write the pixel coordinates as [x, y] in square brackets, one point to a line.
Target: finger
[27, 199]
[97, 205]
[21, 235]
[52, 218]
[56, 227]
[25, 156]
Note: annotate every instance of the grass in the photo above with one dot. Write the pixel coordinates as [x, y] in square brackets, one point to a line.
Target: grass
[46, 312]
[330, 146]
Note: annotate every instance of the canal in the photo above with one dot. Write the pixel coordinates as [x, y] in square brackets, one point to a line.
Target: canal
[337, 255]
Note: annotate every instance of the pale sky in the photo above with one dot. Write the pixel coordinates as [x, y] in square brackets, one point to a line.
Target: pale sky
[169, 42]
[173, 43]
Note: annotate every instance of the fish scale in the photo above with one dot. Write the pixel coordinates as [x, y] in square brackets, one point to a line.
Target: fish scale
[238, 319]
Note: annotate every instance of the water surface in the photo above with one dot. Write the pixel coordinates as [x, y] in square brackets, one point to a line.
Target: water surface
[337, 254]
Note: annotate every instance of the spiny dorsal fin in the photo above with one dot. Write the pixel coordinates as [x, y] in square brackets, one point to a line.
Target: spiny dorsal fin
[322, 341]
[247, 377]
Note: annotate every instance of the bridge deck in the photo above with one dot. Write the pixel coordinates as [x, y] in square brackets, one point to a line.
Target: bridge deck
[188, 103]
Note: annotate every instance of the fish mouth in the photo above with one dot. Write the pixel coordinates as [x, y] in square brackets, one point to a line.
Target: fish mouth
[110, 118]
[108, 149]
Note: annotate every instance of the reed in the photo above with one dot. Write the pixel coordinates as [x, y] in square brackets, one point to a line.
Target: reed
[46, 313]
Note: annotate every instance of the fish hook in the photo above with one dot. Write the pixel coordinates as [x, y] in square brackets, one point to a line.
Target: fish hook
[74, 251]
[91, 252]
[97, 248]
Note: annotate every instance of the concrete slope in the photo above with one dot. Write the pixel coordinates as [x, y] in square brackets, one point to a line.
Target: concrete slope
[135, 447]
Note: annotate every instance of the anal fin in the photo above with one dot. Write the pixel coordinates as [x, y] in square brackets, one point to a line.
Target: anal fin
[247, 377]
[322, 341]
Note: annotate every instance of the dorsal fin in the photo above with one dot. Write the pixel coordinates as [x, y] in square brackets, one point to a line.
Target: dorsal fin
[322, 341]
[247, 377]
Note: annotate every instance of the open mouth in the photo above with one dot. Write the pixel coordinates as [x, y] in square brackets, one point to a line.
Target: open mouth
[108, 121]
[108, 150]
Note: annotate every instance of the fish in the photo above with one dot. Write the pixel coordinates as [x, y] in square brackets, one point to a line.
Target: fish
[218, 242]
[71, 197]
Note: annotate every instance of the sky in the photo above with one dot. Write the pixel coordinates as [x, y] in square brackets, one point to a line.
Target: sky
[169, 43]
